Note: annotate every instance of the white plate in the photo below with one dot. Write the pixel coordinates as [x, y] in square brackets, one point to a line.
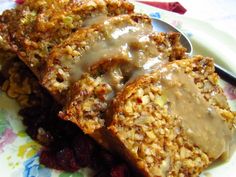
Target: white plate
[19, 154]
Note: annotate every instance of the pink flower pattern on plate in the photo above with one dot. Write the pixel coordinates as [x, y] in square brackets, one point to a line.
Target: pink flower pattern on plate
[8, 137]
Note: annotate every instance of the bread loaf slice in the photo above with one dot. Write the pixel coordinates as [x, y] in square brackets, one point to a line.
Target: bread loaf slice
[89, 48]
[36, 26]
[89, 97]
[172, 122]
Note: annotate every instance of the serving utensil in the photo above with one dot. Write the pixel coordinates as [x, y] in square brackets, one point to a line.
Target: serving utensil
[162, 26]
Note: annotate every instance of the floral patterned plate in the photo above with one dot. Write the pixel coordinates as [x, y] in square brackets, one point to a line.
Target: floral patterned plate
[19, 155]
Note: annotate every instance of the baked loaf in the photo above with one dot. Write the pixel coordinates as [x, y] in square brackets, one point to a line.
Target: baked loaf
[86, 48]
[90, 96]
[172, 122]
[117, 39]
[35, 27]
[130, 88]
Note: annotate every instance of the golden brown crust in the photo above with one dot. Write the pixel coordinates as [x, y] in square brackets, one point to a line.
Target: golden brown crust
[36, 26]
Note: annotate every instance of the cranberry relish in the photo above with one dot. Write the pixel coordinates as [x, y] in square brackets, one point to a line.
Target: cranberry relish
[65, 145]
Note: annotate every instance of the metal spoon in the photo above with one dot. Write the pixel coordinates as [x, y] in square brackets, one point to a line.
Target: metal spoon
[162, 26]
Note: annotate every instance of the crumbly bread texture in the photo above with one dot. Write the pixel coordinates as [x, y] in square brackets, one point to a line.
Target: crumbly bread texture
[33, 28]
[5, 48]
[90, 96]
[19, 83]
[152, 140]
[74, 55]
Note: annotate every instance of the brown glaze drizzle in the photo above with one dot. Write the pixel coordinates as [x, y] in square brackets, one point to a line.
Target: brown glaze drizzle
[130, 43]
[201, 122]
